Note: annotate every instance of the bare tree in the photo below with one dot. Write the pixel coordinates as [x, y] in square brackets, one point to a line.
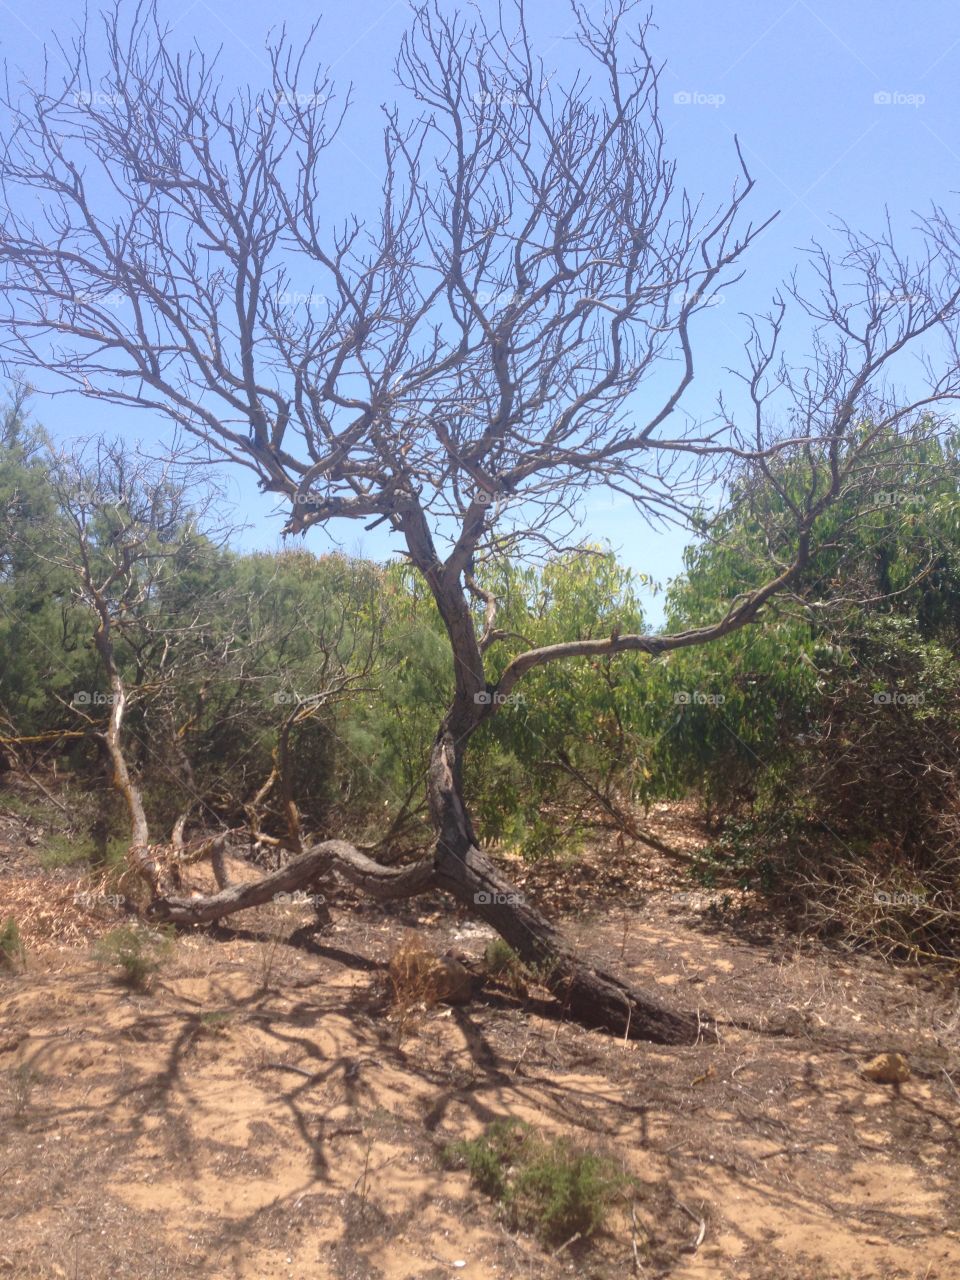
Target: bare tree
[513, 329]
[127, 526]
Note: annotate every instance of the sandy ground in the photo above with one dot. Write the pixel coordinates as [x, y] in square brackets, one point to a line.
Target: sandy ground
[263, 1112]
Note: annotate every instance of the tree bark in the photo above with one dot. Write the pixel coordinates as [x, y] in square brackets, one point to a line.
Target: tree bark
[301, 873]
[587, 992]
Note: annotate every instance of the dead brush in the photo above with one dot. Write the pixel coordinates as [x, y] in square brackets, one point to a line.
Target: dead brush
[12, 951]
[268, 950]
[418, 980]
[21, 1081]
[905, 916]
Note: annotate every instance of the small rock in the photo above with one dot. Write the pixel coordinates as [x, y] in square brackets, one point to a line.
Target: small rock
[887, 1068]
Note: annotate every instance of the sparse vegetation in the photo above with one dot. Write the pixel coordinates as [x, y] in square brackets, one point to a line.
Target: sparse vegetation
[137, 952]
[552, 1186]
[268, 950]
[502, 963]
[12, 951]
[217, 1022]
[702, 793]
[21, 1081]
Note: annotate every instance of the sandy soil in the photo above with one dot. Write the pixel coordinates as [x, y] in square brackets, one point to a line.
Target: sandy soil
[263, 1112]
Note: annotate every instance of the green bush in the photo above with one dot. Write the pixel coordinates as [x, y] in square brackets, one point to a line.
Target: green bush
[138, 953]
[500, 959]
[823, 742]
[551, 1186]
[12, 952]
[65, 849]
[502, 963]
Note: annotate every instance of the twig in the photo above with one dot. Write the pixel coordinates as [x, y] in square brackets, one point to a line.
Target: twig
[288, 1066]
[40, 787]
[950, 1082]
[516, 1065]
[637, 1268]
[566, 1244]
[701, 1222]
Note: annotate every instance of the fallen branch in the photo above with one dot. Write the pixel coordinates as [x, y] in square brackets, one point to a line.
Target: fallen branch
[384, 884]
[701, 1223]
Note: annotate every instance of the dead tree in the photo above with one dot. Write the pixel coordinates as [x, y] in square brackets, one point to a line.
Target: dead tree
[513, 329]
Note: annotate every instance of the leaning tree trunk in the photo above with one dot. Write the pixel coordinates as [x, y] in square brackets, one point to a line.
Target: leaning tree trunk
[588, 993]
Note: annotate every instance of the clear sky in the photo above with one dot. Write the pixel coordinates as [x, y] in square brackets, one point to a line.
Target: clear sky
[841, 110]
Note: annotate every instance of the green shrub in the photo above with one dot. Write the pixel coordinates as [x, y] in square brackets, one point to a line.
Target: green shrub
[65, 850]
[500, 959]
[554, 1187]
[502, 963]
[12, 953]
[138, 953]
[566, 1191]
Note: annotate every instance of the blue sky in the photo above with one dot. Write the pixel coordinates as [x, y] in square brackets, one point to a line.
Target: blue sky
[840, 110]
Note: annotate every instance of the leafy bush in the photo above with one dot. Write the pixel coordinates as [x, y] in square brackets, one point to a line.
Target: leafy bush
[500, 958]
[829, 766]
[551, 1186]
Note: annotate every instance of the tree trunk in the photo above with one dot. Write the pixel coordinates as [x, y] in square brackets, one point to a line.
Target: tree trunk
[588, 993]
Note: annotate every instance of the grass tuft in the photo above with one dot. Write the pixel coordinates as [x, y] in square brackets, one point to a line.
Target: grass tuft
[12, 952]
[138, 953]
[553, 1187]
